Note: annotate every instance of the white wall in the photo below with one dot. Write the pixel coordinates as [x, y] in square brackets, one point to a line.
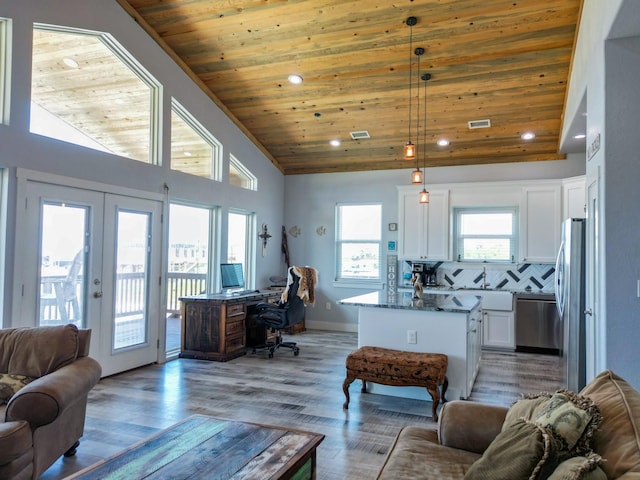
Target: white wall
[19, 148]
[311, 200]
[622, 196]
[606, 67]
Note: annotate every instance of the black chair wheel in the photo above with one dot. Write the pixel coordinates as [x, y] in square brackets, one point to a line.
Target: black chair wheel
[296, 352]
[270, 354]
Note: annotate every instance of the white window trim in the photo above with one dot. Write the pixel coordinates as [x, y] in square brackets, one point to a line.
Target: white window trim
[5, 69]
[514, 236]
[238, 165]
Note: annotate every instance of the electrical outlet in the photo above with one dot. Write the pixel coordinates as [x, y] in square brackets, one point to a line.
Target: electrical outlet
[412, 336]
[328, 306]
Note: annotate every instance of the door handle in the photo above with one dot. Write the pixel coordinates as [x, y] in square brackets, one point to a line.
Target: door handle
[588, 311]
[97, 294]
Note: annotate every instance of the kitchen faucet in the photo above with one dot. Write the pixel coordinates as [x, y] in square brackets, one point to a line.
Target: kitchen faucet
[485, 284]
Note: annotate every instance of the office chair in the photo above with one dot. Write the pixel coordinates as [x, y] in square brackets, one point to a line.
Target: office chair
[282, 315]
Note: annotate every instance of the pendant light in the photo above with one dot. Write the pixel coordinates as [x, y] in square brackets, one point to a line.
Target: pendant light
[416, 175]
[424, 195]
[410, 148]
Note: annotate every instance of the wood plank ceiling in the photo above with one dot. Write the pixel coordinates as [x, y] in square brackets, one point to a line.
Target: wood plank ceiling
[502, 60]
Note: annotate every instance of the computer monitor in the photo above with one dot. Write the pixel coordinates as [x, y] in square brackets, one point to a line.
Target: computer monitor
[232, 276]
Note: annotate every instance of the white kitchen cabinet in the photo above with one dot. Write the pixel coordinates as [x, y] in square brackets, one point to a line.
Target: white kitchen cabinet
[574, 197]
[498, 329]
[540, 220]
[424, 229]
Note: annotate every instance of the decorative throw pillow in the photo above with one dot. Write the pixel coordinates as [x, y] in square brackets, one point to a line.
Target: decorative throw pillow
[580, 468]
[528, 408]
[572, 419]
[10, 384]
[522, 451]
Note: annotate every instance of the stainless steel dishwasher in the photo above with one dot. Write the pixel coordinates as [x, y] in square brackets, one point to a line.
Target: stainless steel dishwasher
[538, 324]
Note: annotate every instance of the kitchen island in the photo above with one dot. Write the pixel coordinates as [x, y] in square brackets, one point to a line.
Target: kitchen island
[448, 323]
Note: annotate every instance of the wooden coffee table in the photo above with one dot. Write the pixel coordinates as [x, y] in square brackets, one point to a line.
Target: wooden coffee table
[214, 448]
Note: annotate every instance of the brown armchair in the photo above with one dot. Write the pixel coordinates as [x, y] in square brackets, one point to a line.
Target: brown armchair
[44, 419]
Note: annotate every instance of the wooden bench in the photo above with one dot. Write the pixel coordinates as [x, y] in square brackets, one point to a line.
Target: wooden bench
[398, 368]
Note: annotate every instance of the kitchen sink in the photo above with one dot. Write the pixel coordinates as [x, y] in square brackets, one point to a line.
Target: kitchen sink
[493, 299]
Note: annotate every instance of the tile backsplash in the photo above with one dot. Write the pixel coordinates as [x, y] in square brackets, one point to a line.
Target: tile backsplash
[524, 276]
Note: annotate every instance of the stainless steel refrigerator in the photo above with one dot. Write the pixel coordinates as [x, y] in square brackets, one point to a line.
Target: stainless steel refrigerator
[570, 300]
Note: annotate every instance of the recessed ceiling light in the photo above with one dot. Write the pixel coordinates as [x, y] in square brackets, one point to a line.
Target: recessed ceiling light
[335, 143]
[443, 142]
[70, 62]
[119, 101]
[528, 136]
[295, 79]
[187, 154]
[579, 136]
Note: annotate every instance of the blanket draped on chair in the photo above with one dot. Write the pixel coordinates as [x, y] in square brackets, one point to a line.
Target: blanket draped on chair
[306, 288]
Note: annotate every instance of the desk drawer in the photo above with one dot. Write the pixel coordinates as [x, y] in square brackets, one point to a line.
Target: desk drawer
[236, 309]
[235, 327]
[234, 342]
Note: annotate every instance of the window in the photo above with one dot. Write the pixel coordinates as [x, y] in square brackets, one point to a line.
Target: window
[190, 233]
[240, 176]
[240, 244]
[193, 149]
[358, 243]
[4, 70]
[87, 90]
[485, 234]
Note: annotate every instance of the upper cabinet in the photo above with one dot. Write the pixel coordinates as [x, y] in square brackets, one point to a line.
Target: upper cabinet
[424, 229]
[574, 197]
[540, 220]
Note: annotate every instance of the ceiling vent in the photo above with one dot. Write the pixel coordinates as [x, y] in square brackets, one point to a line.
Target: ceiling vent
[479, 124]
[361, 135]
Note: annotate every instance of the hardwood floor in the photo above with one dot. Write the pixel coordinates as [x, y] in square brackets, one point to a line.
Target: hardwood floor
[303, 392]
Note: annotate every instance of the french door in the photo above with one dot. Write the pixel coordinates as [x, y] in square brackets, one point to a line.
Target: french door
[95, 261]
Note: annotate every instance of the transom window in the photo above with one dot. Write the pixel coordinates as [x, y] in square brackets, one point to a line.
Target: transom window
[193, 149]
[485, 234]
[87, 90]
[240, 176]
[358, 242]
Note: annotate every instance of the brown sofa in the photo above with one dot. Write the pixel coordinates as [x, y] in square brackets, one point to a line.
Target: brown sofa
[44, 418]
[466, 430]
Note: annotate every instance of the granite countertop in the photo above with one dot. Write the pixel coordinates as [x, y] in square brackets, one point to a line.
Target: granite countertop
[445, 289]
[454, 301]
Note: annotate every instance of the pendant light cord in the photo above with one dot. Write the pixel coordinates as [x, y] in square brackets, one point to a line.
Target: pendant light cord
[426, 77]
[418, 54]
[410, 76]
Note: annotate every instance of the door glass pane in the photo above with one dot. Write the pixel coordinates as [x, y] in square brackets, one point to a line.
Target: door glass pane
[62, 283]
[132, 260]
[189, 229]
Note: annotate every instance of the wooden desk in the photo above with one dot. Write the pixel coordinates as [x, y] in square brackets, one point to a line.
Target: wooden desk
[214, 325]
[209, 447]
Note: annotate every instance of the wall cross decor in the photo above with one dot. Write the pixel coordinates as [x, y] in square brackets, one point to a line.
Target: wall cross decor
[264, 236]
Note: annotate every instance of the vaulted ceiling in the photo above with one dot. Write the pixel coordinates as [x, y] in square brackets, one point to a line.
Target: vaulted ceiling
[503, 61]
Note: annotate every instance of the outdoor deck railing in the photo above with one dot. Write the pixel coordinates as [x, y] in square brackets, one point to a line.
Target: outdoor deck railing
[129, 294]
